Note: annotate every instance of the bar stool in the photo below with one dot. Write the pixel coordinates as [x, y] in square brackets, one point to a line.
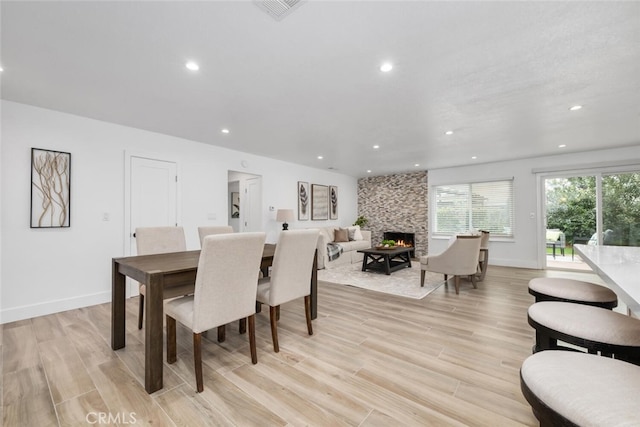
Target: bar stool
[577, 389]
[569, 290]
[592, 328]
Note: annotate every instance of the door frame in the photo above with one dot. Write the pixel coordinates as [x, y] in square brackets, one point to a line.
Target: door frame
[126, 232]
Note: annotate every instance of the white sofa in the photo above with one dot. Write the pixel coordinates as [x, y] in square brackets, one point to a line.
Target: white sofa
[350, 249]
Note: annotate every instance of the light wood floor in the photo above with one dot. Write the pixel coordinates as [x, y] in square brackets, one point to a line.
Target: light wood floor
[374, 359]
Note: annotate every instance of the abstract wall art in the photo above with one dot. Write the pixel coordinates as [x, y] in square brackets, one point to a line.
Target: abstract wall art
[304, 201]
[50, 189]
[319, 202]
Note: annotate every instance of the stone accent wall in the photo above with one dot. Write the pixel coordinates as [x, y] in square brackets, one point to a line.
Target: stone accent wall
[398, 202]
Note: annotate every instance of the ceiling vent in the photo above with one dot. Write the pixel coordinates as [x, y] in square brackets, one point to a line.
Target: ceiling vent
[278, 9]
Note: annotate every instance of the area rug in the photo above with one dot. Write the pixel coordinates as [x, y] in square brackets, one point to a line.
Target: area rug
[404, 282]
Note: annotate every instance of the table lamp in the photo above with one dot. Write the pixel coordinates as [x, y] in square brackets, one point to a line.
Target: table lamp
[284, 216]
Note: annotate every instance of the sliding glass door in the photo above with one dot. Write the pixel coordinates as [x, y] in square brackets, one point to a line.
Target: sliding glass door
[601, 208]
[621, 209]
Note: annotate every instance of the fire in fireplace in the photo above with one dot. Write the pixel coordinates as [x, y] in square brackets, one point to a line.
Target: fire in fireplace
[401, 239]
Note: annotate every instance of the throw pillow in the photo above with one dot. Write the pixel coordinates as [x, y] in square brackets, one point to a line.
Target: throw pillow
[342, 235]
[354, 233]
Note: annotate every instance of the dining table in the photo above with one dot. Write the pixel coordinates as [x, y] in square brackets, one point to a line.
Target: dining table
[166, 275]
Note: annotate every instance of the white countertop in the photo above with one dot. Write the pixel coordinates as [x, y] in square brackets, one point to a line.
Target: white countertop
[618, 266]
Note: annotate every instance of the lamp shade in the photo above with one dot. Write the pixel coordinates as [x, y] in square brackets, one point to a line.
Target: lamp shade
[284, 215]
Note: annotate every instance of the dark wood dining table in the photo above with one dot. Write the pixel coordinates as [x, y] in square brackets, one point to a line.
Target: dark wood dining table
[165, 275]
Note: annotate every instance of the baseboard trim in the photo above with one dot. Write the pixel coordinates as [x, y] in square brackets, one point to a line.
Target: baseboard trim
[513, 263]
[15, 314]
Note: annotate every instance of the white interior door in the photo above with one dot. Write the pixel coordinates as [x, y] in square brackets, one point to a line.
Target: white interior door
[252, 219]
[153, 197]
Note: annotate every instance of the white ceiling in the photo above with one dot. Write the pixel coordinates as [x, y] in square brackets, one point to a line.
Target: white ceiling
[502, 75]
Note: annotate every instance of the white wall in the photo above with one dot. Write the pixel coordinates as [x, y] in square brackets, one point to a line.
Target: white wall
[49, 270]
[526, 250]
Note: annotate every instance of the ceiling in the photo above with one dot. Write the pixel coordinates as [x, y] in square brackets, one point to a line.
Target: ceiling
[500, 75]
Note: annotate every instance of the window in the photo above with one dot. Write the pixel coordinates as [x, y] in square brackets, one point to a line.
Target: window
[480, 205]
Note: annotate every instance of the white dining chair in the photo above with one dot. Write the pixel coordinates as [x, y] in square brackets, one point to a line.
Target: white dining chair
[290, 276]
[157, 240]
[225, 291]
[205, 231]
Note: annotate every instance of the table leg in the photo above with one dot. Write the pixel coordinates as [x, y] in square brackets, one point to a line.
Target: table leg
[387, 265]
[117, 307]
[153, 333]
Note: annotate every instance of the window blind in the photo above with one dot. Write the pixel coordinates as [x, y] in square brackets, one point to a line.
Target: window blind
[479, 205]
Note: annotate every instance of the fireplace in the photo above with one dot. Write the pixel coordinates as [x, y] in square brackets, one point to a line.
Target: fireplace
[402, 239]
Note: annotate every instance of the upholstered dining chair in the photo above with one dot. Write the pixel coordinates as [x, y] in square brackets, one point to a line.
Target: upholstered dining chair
[225, 291]
[157, 240]
[459, 259]
[203, 232]
[215, 229]
[290, 276]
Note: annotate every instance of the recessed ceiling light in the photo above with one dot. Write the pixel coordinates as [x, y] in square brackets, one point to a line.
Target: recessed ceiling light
[225, 131]
[368, 170]
[417, 164]
[449, 132]
[562, 145]
[575, 108]
[320, 157]
[386, 67]
[375, 147]
[192, 66]
[474, 157]
[1, 69]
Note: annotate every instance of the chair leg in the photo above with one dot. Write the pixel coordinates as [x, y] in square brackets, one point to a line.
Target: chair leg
[544, 342]
[422, 274]
[273, 317]
[171, 339]
[242, 326]
[485, 264]
[222, 333]
[197, 361]
[252, 338]
[307, 312]
[140, 311]
[456, 282]
[278, 312]
[473, 281]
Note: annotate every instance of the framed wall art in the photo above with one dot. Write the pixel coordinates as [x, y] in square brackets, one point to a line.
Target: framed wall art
[304, 201]
[333, 202]
[50, 189]
[319, 202]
